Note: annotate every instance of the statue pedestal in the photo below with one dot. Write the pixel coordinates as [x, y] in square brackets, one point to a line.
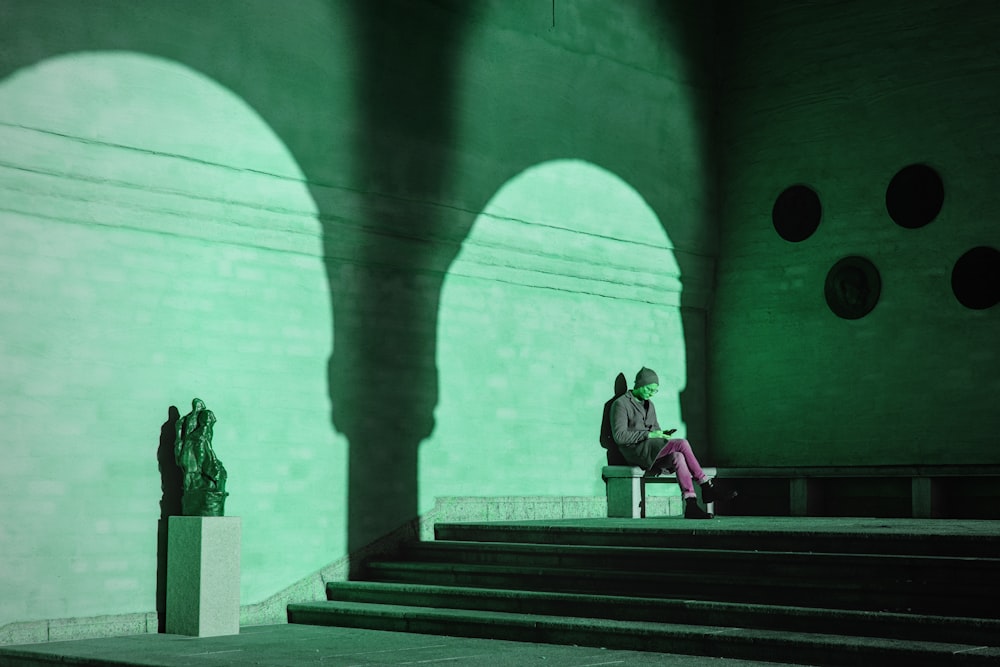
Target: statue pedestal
[203, 576]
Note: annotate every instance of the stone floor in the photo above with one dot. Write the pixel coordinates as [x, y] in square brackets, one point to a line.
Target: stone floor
[307, 646]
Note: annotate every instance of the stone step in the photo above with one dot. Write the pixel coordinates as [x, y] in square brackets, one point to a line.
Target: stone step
[744, 586]
[944, 572]
[848, 622]
[702, 640]
[856, 536]
[842, 591]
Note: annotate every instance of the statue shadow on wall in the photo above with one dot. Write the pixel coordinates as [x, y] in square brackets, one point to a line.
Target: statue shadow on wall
[171, 486]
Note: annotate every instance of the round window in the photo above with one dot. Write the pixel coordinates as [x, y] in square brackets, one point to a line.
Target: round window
[914, 196]
[796, 213]
[975, 280]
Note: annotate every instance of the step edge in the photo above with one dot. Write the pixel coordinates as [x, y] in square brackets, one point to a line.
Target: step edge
[638, 628]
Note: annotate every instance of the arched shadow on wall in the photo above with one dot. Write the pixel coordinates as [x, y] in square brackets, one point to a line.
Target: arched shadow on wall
[382, 375]
[382, 379]
[171, 488]
[564, 260]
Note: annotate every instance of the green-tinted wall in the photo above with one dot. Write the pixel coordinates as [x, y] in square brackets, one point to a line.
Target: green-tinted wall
[401, 249]
[840, 96]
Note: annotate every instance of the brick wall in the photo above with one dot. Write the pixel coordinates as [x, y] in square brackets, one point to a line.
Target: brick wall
[138, 278]
[261, 208]
[840, 96]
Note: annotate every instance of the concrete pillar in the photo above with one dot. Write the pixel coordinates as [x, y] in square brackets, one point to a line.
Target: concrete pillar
[798, 489]
[925, 498]
[203, 575]
[625, 497]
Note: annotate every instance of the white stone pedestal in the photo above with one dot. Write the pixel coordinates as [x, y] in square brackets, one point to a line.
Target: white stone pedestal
[203, 575]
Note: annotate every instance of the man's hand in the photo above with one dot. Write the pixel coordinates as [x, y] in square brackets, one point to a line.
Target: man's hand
[662, 434]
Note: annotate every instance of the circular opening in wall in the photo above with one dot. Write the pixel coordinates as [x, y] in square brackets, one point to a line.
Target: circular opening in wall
[796, 213]
[914, 196]
[975, 280]
[853, 286]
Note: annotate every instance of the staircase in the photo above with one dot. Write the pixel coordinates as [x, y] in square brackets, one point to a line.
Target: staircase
[802, 591]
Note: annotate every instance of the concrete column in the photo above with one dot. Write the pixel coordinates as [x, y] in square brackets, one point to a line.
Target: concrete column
[925, 497]
[625, 497]
[798, 490]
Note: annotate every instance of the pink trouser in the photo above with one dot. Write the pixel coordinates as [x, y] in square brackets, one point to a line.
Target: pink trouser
[677, 457]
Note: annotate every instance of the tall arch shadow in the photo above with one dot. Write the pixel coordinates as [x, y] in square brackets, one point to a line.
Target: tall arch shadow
[385, 276]
[382, 375]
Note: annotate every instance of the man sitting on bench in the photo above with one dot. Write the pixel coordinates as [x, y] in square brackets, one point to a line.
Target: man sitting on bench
[643, 443]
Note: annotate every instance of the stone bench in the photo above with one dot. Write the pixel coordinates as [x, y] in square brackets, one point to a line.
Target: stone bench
[626, 489]
[931, 489]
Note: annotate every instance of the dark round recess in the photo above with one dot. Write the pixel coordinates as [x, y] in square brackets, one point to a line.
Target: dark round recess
[914, 196]
[796, 213]
[853, 286]
[975, 280]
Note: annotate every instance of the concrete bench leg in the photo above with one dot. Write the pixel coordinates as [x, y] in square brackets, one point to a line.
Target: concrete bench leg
[925, 497]
[625, 497]
[798, 501]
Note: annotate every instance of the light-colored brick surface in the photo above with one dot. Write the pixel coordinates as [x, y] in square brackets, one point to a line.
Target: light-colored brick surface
[511, 221]
[181, 209]
[135, 281]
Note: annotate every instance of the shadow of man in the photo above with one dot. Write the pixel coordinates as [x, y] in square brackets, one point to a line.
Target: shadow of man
[615, 457]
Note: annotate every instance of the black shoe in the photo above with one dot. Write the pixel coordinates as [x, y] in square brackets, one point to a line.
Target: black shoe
[710, 493]
[692, 511]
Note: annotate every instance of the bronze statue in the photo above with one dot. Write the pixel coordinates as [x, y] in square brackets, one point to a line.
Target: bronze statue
[204, 475]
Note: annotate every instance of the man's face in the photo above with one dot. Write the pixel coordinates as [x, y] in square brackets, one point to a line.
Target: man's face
[646, 392]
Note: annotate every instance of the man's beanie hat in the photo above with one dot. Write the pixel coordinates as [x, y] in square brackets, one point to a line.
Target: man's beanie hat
[646, 376]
